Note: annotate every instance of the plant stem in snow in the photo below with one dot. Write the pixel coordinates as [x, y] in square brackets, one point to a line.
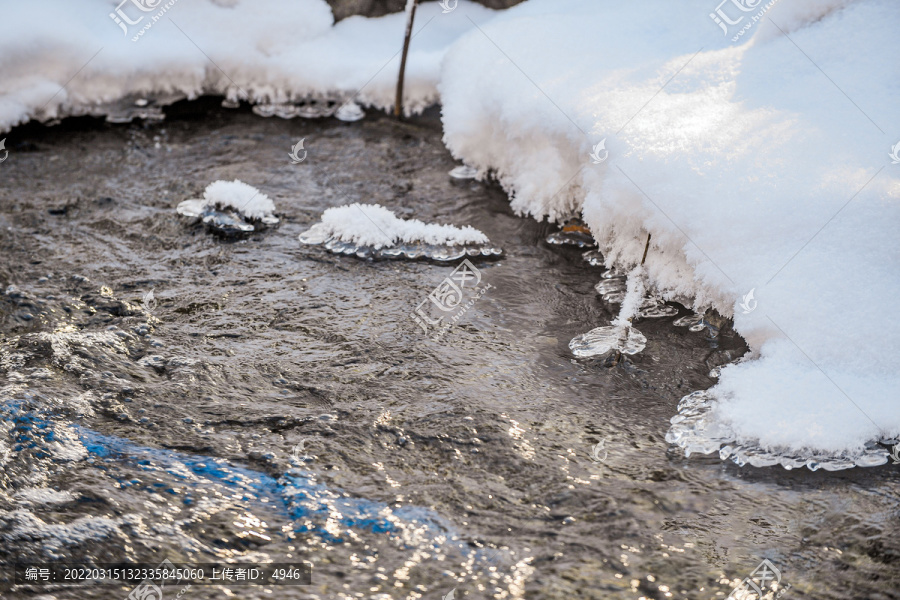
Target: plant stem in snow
[410, 16]
[634, 295]
[646, 247]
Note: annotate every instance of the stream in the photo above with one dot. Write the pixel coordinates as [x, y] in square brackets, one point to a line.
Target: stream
[275, 402]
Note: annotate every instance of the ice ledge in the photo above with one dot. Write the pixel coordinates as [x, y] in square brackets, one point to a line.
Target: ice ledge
[694, 430]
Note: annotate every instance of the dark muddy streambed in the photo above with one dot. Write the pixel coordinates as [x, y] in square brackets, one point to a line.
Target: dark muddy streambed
[277, 403]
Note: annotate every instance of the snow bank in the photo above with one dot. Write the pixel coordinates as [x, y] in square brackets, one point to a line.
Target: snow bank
[751, 168]
[376, 226]
[60, 56]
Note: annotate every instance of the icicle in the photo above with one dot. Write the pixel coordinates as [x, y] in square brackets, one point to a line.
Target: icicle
[620, 336]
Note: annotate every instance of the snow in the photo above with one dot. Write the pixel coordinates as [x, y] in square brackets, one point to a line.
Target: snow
[634, 297]
[243, 198]
[376, 226]
[61, 56]
[750, 167]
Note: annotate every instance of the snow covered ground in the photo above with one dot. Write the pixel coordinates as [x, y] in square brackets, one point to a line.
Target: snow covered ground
[759, 161]
[758, 165]
[260, 50]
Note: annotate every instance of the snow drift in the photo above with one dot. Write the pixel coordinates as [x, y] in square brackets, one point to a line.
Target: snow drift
[758, 165]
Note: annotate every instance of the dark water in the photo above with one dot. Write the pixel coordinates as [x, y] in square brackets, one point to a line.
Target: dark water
[425, 466]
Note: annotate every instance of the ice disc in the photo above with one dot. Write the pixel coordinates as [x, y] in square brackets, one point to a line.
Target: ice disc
[192, 208]
[464, 172]
[603, 340]
[349, 112]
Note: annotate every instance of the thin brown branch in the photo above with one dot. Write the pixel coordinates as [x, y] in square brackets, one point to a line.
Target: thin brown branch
[398, 102]
[646, 247]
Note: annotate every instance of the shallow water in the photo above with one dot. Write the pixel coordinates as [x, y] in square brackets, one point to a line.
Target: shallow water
[425, 466]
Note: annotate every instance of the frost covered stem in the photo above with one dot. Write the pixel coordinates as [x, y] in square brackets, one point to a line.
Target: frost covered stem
[410, 15]
[634, 295]
[646, 247]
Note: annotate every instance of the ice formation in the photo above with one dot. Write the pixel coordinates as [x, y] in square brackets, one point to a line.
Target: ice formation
[350, 112]
[613, 286]
[370, 230]
[761, 163]
[240, 197]
[603, 340]
[231, 208]
[463, 172]
[620, 335]
[573, 233]
[697, 428]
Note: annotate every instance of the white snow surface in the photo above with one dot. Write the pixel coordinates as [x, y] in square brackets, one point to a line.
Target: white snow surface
[242, 197]
[60, 54]
[376, 226]
[761, 164]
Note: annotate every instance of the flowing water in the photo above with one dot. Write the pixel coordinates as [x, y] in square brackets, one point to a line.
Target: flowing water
[273, 401]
